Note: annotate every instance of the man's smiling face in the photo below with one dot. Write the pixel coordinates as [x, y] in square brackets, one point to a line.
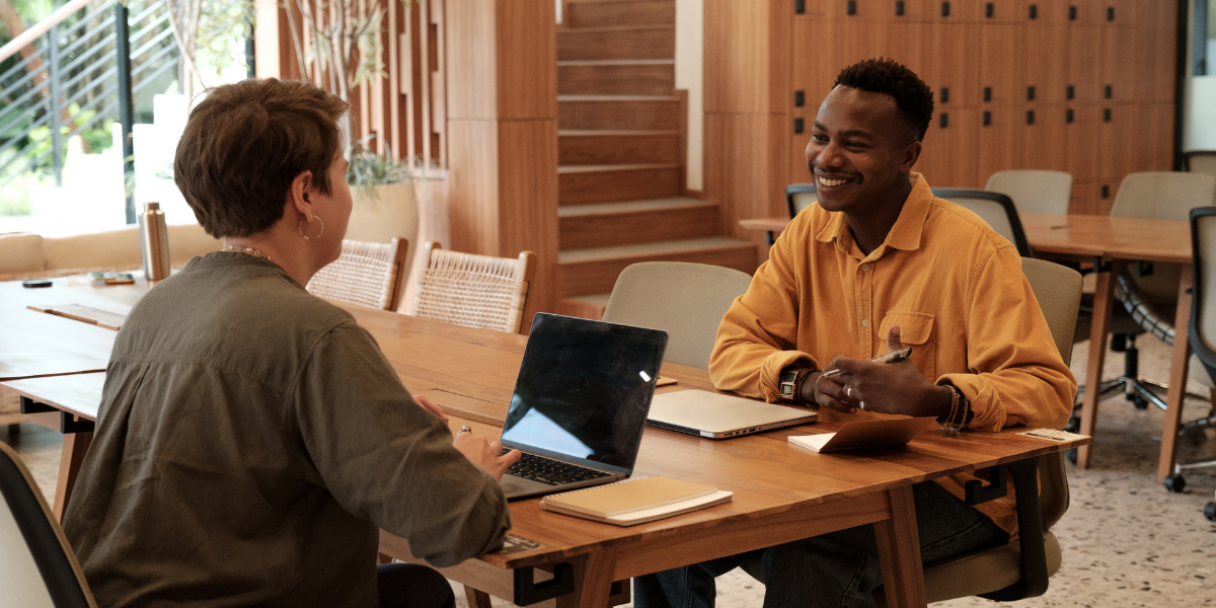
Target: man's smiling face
[861, 149]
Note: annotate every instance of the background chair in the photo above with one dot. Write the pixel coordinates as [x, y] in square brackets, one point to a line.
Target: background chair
[367, 274]
[1018, 569]
[685, 300]
[37, 566]
[474, 290]
[1034, 191]
[799, 197]
[994, 208]
[1201, 161]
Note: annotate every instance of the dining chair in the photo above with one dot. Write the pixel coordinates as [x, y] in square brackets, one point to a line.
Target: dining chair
[994, 208]
[684, 299]
[1033, 191]
[37, 566]
[1020, 568]
[799, 197]
[474, 290]
[367, 274]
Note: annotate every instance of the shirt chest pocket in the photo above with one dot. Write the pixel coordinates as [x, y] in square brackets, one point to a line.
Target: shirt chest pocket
[915, 330]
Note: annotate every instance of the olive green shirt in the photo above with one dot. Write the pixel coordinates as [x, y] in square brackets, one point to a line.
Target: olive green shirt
[251, 441]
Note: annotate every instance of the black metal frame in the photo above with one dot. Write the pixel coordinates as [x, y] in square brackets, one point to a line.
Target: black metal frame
[528, 592]
[68, 423]
[1015, 222]
[43, 542]
[1025, 476]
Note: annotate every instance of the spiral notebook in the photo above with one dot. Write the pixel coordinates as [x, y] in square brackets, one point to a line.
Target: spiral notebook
[635, 501]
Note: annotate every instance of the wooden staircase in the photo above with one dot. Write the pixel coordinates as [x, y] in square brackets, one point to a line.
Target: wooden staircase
[621, 141]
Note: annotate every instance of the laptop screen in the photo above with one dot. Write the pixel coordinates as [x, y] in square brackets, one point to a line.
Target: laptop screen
[584, 390]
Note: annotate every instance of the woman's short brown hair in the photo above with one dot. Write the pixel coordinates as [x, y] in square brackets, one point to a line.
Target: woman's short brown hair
[246, 142]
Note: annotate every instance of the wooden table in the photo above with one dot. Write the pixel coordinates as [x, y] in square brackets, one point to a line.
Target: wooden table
[1112, 242]
[781, 492]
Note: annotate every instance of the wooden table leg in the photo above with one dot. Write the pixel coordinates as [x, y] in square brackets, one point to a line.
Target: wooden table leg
[75, 445]
[592, 580]
[1180, 358]
[1104, 298]
[903, 578]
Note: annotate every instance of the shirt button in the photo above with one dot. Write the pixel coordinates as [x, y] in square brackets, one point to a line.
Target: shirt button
[865, 267]
[865, 322]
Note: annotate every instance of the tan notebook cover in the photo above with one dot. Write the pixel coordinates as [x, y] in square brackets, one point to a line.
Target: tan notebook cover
[649, 497]
[866, 434]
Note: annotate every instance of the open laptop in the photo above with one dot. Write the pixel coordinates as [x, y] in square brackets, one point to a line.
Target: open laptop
[719, 416]
[580, 403]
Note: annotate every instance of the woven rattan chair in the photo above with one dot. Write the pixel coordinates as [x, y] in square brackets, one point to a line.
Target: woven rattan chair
[474, 290]
[367, 274]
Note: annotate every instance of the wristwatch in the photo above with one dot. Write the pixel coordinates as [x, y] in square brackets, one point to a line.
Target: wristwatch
[790, 385]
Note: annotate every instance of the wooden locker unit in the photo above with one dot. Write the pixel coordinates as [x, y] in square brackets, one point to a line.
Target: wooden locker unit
[949, 155]
[799, 173]
[1117, 142]
[1084, 50]
[998, 50]
[907, 42]
[997, 142]
[1041, 144]
[911, 10]
[953, 48]
[1042, 62]
[1047, 12]
[1000, 11]
[859, 40]
[865, 10]
[1084, 197]
[819, 9]
[1154, 137]
[814, 62]
[1081, 141]
[1117, 64]
[1085, 12]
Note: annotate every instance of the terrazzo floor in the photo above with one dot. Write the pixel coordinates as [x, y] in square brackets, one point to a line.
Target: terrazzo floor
[1126, 541]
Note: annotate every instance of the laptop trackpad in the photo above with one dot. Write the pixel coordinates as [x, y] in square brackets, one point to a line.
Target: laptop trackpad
[518, 487]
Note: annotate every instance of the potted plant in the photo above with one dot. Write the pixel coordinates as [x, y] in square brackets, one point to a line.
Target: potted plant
[385, 205]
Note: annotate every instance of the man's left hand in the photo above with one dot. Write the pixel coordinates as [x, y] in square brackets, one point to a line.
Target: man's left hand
[892, 388]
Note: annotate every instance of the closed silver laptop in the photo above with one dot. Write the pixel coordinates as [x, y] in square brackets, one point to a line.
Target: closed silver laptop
[719, 416]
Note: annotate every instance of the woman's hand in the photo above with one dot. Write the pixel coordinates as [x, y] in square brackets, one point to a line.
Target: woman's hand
[484, 453]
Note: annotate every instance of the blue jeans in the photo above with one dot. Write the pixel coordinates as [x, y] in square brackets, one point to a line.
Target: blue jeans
[837, 570]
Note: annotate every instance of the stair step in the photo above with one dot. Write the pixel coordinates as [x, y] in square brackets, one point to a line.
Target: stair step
[629, 42]
[617, 147]
[587, 307]
[634, 12]
[616, 77]
[649, 112]
[591, 271]
[603, 183]
[635, 222]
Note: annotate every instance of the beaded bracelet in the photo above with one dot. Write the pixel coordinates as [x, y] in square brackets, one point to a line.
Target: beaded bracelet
[959, 406]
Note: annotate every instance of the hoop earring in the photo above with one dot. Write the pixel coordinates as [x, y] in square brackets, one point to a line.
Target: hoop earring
[300, 227]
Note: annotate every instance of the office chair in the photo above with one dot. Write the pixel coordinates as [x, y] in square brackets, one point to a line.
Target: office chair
[685, 300]
[1034, 191]
[39, 569]
[1201, 161]
[1021, 568]
[1201, 331]
[799, 197]
[994, 208]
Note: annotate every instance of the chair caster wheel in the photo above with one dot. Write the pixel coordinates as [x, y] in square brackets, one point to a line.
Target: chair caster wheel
[1139, 402]
[1175, 483]
[1209, 511]
[1071, 455]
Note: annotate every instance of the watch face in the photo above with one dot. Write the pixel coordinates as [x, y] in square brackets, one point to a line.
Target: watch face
[787, 390]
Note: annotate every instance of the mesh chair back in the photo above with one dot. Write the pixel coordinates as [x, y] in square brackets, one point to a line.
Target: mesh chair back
[685, 300]
[1058, 290]
[1034, 191]
[367, 274]
[1202, 161]
[1163, 195]
[799, 197]
[37, 567]
[1202, 331]
[474, 290]
[994, 208]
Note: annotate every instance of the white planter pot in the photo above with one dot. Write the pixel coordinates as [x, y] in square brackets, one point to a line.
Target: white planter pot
[382, 213]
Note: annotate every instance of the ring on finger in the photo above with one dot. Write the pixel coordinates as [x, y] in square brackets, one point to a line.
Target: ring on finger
[848, 392]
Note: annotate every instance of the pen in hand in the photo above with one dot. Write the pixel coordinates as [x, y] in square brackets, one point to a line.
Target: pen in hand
[894, 356]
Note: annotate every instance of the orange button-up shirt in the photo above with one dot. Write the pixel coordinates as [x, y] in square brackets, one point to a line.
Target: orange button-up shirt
[954, 287]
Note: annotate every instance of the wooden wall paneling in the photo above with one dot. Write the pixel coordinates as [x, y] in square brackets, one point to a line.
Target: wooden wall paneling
[960, 11]
[1117, 66]
[868, 10]
[908, 43]
[1086, 197]
[823, 9]
[1084, 50]
[798, 170]
[913, 10]
[1042, 61]
[1116, 154]
[1154, 137]
[952, 65]
[747, 55]
[395, 36]
[747, 166]
[438, 73]
[949, 158]
[998, 144]
[1088, 12]
[1001, 11]
[998, 53]
[1166, 50]
[1044, 144]
[1049, 12]
[470, 68]
[1081, 140]
[528, 195]
[860, 40]
[814, 62]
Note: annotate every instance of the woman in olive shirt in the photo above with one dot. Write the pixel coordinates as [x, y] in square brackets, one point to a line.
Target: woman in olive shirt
[252, 439]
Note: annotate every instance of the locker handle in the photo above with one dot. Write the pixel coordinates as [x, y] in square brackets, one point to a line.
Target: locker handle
[944, 121]
[1109, 91]
[945, 9]
[945, 94]
[899, 8]
[1105, 191]
[989, 10]
[1110, 13]
[1030, 117]
[1072, 13]
[851, 7]
[987, 93]
[1070, 92]
[987, 118]
[798, 126]
[1029, 93]
[1068, 116]
[799, 7]
[799, 99]
[1034, 12]
[1106, 114]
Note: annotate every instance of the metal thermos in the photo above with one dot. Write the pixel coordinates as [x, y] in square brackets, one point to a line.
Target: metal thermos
[154, 242]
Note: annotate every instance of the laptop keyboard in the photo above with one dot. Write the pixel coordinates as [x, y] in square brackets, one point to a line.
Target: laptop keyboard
[551, 472]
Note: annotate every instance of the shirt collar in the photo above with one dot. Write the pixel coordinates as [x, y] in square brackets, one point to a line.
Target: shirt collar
[906, 232]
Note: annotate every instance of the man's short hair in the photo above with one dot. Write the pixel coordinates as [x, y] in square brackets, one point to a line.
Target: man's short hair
[912, 95]
[246, 142]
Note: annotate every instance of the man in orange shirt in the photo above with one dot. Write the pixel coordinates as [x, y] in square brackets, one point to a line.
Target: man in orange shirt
[879, 264]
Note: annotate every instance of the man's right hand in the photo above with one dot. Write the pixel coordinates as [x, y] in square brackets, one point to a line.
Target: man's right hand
[484, 453]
